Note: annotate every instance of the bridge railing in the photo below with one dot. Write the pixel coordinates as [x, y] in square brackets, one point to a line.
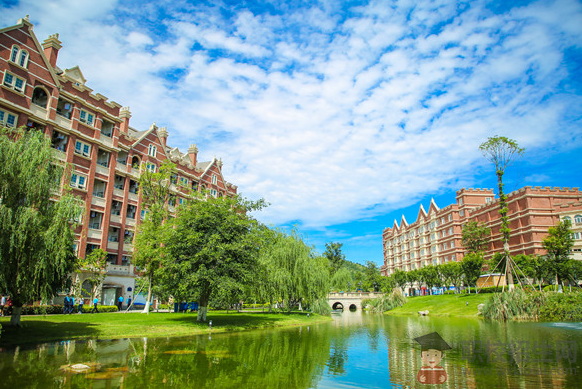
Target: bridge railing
[339, 295]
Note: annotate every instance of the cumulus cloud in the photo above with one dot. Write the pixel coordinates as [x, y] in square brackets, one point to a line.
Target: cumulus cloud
[331, 114]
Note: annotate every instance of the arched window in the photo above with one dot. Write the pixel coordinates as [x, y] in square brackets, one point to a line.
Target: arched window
[567, 218]
[19, 56]
[40, 97]
[135, 162]
[578, 219]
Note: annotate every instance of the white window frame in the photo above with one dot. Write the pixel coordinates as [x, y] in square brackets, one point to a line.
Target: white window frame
[213, 192]
[184, 181]
[78, 181]
[5, 116]
[12, 84]
[84, 117]
[151, 167]
[214, 179]
[82, 151]
[152, 150]
[19, 56]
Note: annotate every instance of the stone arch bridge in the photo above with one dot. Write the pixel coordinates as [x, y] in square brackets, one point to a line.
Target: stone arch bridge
[350, 300]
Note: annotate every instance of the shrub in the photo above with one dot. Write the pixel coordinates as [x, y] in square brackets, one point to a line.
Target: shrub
[514, 305]
[321, 307]
[562, 307]
[386, 302]
[56, 309]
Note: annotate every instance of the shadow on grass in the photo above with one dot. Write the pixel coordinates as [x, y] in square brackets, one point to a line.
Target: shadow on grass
[238, 321]
[42, 331]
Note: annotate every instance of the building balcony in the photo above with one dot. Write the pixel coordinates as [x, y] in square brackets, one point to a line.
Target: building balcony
[118, 192]
[102, 170]
[130, 222]
[94, 233]
[38, 111]
[63, 122]
[127, 247]
[133, 196]
[113, 246]
[115, 219]
[106, 140]
[121, 270]
[60, 155]
[98, 201]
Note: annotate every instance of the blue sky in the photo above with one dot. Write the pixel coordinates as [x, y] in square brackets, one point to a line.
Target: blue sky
[343, 115]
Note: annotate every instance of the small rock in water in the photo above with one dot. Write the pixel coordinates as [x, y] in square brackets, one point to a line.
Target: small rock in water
[423, 313]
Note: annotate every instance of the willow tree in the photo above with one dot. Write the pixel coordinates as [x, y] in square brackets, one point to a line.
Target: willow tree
[37, 217]
[152, 231]
[502, 152]
[212, 242]
[292, 271]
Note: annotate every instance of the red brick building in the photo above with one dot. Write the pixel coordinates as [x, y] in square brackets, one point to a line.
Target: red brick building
[435, 236]
[94, 136]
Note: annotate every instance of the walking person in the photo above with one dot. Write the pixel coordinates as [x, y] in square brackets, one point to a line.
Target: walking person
[119, 303]
[81, 301]
[129, 302]
[2, 304]
[71, 304]
[95, 302]
[66, 304]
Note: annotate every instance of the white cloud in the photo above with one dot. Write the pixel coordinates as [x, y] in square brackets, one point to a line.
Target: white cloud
[331, 119]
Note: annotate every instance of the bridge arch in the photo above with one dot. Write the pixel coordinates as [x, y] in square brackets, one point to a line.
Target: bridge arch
[337, 305]
[353, 307]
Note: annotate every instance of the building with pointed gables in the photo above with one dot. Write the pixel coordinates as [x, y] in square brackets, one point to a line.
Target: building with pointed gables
[435, 237]
[94, 136]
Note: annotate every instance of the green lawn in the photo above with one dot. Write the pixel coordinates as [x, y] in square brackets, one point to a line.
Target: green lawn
[443, 305]
[37, 329]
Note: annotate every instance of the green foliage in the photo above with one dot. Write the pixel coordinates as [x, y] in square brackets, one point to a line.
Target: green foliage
[213, 242]
[475, 236]
[372, 277]
[290, 271]
[94, 268]
[543, 306]
[400, 278]
[36, 232]
[58, 309]
[341, 279]
[558, 244]
[321, 307]
[471, 267]
[334, 255]
[386, 302]
[452, 274]
[430, 276]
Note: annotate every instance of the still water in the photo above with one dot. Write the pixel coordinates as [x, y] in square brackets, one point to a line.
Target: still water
[355, 350]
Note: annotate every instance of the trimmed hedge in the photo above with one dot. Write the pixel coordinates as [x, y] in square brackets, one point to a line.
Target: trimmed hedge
[56, 309]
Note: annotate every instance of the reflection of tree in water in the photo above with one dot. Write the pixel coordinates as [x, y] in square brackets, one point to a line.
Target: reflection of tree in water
[337, 358]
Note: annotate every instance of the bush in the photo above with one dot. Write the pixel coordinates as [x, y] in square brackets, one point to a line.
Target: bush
[386, 302]
[321, 307]
[56, 309]
[562, 307]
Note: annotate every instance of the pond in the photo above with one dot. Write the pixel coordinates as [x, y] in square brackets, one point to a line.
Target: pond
[355, 350]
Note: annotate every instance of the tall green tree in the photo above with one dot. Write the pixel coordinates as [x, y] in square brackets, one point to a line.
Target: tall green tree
[36, 231]
[558, 245]
[502, 152]
[372, 274]
[334, 255]
[400, 279]
[471, 267]
[341, 279]
[152, 232]
[212, 241]
[475, 236]
[430, 277]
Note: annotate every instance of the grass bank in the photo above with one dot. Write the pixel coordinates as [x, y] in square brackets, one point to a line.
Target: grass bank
[443, 305]
[39, 329]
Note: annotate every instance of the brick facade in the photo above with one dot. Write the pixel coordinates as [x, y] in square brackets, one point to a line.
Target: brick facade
[435, 237]
[93, 136]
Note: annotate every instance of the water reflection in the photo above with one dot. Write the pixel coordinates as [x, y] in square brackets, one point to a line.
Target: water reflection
[354, 351]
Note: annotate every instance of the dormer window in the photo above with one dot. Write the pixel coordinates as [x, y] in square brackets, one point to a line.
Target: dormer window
[152, 150]
[87, 118]
[19, 56]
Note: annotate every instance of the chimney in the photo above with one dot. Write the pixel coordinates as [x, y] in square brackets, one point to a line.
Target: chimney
[163, 133]
[193, 154]
[51, 47]
[125, 115]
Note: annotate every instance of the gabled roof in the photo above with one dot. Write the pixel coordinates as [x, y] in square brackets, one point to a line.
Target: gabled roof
[26, 23]
[75, 74]
[403, 222]
[432, 207]
[421, 213]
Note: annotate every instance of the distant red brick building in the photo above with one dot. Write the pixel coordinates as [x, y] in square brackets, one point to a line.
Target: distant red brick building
[93, 135]
[435, 237]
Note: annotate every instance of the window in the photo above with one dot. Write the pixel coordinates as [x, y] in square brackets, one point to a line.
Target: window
[184, 182]
[152, 150]
[578, 219]
[107, 128]
[13, 82]
[87, 118]
[214, 179]
[39, 97]
[453, 244]
[213, 192]
[8, 119]
[116, 208]
[78, 181]
[83, 149]
[119, 182]
[95, 220]
[99, 188]
[65, 108]
[19, 56]
[151, 167]
[143, 214]
[122, 158]
[128, 237]
[103, 158]
[131, 210]
[59, 141]
[461, 213]
[133, 186]
[487, 200]
[113, 234]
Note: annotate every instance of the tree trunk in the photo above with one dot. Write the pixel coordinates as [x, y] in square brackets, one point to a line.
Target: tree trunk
[146, 308]
[15, 317]
[202, 309]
